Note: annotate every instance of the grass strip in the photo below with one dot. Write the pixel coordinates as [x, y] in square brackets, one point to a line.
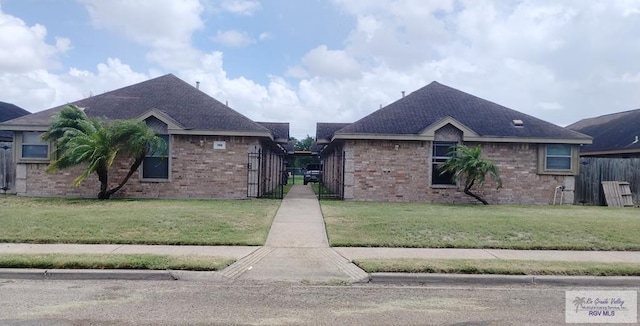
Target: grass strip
[115, 261]
[497, 266]
[421, 225]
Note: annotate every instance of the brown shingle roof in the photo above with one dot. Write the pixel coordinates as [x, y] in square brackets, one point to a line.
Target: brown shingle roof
[325, 130]
[435, 102]
[615, 132]
[188, 106]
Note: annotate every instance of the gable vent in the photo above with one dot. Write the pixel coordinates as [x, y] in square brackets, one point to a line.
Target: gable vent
[157, 125]
[518, 123]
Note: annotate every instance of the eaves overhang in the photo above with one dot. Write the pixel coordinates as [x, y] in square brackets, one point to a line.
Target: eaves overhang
[466, 138]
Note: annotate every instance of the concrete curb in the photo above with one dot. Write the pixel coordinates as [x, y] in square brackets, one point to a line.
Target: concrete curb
[485, 279]
[86, 274]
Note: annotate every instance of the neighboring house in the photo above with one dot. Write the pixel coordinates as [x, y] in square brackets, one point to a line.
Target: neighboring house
[214, 151]
[394, 153]
[614, 155]
[8, 111]
[614, 135]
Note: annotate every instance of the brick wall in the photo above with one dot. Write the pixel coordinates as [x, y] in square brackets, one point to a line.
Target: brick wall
[196, 171]
[399, 171]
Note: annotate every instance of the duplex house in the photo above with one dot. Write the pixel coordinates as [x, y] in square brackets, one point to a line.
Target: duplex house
[394, 153]
[213, 151]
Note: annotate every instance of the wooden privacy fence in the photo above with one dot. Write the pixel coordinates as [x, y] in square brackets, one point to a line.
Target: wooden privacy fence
[594, 170]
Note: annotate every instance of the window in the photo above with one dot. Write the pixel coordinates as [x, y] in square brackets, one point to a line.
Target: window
[156, 166]
[33, 147]
[560, 159]
[441, 152]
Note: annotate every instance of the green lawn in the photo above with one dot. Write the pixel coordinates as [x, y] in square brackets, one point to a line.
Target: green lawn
[198, 222]
[476, 226]
[498, 266]
[115, 261]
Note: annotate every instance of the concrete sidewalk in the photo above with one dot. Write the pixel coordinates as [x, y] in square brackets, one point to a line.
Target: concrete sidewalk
[350, 253]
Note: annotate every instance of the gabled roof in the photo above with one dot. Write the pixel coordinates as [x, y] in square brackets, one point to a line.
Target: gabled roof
[325, 131]
[9, 111]
[419, 114]
[183, 107]
[615, 133]
[279, 130]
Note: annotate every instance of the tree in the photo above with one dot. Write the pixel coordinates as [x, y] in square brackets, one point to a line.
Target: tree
[304, 144]
[466, 163]
[98, 143]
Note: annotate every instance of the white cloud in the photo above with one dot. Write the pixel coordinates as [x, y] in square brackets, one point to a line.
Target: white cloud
[24, 48]
[265, 36]
[331, 63]
[240, 7]
[158, 23]
[233, 38]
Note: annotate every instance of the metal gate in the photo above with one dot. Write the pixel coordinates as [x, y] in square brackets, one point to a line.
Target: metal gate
[266, 175]
[332, 183]
[7, 176]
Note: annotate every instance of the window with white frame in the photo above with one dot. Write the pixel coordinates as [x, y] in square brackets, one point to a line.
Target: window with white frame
[441, 152]
[33, 147]
[156, 165]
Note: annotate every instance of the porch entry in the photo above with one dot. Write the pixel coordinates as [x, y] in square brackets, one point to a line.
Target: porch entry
[266, 174]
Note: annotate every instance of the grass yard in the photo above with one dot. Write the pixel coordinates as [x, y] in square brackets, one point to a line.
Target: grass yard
[365, 224]
[126, 221]
[115, 261]
[498, 266]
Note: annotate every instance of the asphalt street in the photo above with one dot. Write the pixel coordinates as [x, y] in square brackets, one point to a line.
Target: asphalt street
[118, 302]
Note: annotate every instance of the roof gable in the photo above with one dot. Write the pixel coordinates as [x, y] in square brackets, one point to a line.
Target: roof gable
[615, 133]
[417, 113]
[325, 131]
[279, 130]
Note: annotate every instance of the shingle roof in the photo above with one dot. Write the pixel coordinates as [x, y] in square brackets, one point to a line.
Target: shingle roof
[188, 106]
[611, 132]
[413, 113]
[279, 130]
[325, 130]
[9, 111]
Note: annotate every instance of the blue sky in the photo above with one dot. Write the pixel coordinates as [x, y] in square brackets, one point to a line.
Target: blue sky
[328, 61]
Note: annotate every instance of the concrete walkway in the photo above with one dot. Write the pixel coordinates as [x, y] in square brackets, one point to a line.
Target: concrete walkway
[297, 248]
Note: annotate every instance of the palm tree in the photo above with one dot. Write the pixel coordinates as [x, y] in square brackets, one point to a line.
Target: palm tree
[97, 143]
[466, 163]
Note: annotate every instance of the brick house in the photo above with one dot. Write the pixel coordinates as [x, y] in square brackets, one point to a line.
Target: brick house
[393, 154]
[213, 151]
